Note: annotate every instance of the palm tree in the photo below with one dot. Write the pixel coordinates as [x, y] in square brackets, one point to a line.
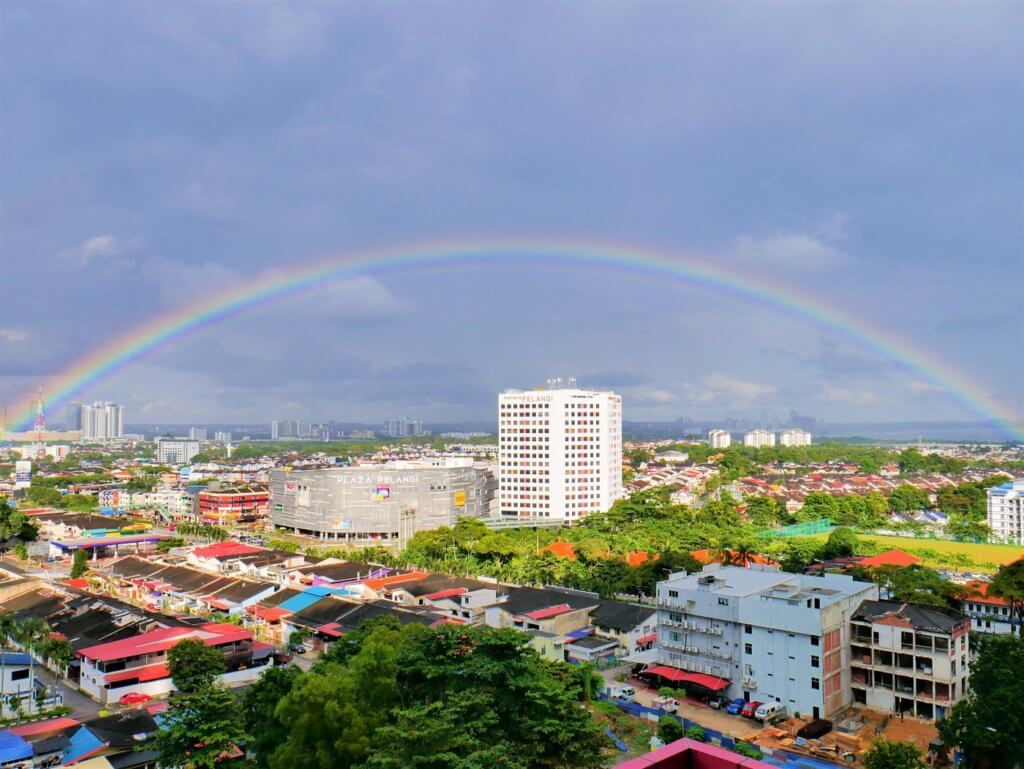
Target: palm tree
[8, 624]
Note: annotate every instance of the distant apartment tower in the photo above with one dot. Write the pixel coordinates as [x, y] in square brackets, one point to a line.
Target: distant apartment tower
[197, 433]
[719, 439]
[73, 416]
[758, 438]
[175, 451]
[402, 427]
[1006, 511]
[794, 437]
[222, 437]
[102, 421]
[288, 428]
[559, 452]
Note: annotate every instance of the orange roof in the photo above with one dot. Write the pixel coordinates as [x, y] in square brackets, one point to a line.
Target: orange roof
[562, 549]
[890, 558]
[395, 579]
[639, 558]
[710, 556]
[977, 591]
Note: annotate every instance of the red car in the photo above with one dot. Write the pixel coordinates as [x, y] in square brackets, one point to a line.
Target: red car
[134, 698]
[750, 708]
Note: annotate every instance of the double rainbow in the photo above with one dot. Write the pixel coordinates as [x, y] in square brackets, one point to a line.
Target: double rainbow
[163, 330]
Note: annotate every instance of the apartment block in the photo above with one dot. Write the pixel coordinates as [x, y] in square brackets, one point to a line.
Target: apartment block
[761, 634]
[719, 439]
[1006, 511]
[909, 659]
[758, 438]
[794, 437]
[560, 452]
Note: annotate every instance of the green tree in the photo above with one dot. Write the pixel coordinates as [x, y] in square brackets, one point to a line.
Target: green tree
[79, 564]
[1008, 584]
[194, 665]
[985, 725]
[669, 729]
[764, 511]
[15, 526]
[265, 731]
[907, 498]
[819, 505]
[199, 729]
[841, 542]
[911, 584]
[697, 733]
[892, 754]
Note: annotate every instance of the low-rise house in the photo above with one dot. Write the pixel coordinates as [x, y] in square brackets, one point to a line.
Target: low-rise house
[633, 627]
[335, 573]
[139, 664]
[988, 613]
[909, 659]
[118, 740]
[21, 693]
[331, 617]
[558, 611]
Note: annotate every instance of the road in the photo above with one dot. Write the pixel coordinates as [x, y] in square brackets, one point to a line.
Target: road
[82, 707]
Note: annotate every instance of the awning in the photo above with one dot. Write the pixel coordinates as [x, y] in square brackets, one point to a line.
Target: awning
[714, 683]
[149, 673]
[647, 639]
[332, 629]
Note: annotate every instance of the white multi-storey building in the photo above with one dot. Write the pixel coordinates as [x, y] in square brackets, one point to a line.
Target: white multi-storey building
[719, 439]
[1006, 511]
[759, 437]
[761, 634]
[560, 452]
[102, 421]
[794, 437]
[197, 433]
[222, 437]
[175, 451]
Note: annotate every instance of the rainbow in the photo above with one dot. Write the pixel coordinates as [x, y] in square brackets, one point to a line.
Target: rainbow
[166, 329]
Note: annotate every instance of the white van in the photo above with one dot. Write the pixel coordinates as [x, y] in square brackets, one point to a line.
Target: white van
[769, 710]
[623, 692]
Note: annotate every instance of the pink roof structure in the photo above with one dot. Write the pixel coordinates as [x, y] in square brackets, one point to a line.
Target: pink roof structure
[690, 754]
[155, 641]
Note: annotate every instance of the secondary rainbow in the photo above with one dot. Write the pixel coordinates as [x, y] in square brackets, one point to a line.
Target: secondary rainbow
[180, 323]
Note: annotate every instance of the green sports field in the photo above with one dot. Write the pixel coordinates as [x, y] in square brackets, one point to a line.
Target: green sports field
[987, 558]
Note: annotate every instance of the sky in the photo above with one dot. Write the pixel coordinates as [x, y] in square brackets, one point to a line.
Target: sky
[868, 155]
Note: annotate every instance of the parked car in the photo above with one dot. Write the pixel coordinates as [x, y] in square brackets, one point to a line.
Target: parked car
[735, 707]
[296, 648]
[718, 702]
[668, 704]
[769, 710]
[750, 708]
[623, 692]
[134, 698]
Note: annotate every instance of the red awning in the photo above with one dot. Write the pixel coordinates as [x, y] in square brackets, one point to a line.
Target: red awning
[647, 639]
[714, 683]
[150, 673]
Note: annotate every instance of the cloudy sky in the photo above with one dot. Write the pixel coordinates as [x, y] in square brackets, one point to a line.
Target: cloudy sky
[867, 154]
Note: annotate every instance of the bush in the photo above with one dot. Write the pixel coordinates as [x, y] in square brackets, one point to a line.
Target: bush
[697, 733]
[669, 729]
[748, 750]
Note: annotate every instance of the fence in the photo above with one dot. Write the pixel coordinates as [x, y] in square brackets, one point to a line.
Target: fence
[821, 526]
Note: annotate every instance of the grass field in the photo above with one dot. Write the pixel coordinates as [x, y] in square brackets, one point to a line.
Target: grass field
[986, 557]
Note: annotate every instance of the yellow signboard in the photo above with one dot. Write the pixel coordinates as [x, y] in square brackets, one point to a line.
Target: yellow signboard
[460, 499]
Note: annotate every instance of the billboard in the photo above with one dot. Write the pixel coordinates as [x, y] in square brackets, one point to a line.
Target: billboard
[22, 474]
[460, 499]
[382, 493]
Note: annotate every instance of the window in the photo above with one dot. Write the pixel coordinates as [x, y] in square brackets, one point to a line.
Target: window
[19, 675]
[748, 648]
[673, 593]
[723, 601]
[748, 629]
[815, 640]
[815, 683]
[815, 662]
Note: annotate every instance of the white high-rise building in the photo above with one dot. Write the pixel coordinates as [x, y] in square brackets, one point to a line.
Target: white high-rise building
[559, 452]
[222, 437]
[175, 451]
[719, 439]
[759, 437]
[794, 437]
[102, 421]
[197, 433]
[1006, 511]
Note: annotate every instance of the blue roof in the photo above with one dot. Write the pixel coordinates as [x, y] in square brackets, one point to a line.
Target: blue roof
[83, 742]
[13, 747]
[15, 658]
[308, 597]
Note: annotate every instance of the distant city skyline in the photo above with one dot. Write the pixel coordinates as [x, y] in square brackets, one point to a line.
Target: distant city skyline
[745, 136]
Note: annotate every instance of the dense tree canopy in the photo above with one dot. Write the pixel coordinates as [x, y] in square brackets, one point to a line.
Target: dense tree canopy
[15, 526]
[194, 665]
[987, 725]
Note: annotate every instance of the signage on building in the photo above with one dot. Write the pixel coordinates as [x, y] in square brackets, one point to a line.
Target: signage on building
[460, 499]
[382, 492]
[22, 473]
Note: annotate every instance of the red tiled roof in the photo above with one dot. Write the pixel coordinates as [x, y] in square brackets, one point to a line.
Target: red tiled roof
[78, 582]
[216, 603]
[978, 593]
[268, 613]
[226, 549]
[890, 558]
[395, 579]
[550, 611]
[332, 629]
[43, 727]
[449, 593]
[212, 634]
[148, 673]
[647, 639]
